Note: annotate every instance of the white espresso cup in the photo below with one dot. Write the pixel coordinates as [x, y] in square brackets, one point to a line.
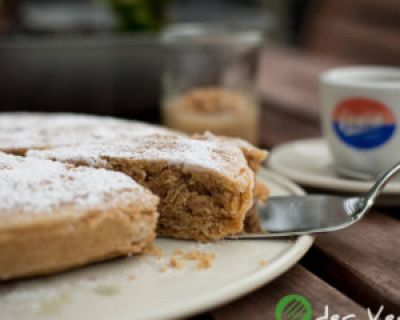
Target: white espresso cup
[360, 114]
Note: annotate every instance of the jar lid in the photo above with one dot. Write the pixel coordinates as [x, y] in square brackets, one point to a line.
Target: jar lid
[211, 34]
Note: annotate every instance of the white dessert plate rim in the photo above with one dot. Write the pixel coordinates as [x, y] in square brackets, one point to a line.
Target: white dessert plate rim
[244, 286]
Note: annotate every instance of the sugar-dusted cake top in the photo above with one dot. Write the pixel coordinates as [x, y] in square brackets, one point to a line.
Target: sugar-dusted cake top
[253, 155]
[31, 187]
[222, 158]
[21, 130]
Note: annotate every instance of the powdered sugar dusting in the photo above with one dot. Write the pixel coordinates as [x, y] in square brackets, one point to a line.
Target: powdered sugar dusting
[40, 130]
[189, 153]
[39, 186]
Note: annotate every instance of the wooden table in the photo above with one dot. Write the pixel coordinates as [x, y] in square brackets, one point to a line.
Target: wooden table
[350, 270]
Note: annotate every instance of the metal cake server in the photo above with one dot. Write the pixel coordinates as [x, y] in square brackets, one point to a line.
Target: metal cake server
[298, 215]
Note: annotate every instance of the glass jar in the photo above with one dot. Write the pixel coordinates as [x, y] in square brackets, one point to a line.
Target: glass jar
[209, 79]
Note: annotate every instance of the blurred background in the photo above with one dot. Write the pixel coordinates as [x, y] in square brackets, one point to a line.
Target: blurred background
[105, 56]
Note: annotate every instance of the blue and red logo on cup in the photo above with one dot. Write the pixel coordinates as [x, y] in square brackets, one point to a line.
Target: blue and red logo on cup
[363, 123]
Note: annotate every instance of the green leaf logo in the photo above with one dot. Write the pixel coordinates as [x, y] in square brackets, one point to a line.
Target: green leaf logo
[293, 307]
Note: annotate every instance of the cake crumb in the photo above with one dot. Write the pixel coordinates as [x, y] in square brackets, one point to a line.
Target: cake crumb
[175, 263]
[153, 251]
[204, 259]
[178, 252]
[164, 269]
[204, 263]
[263, 262]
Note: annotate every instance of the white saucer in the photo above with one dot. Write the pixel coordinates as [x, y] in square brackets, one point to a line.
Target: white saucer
[309, 163]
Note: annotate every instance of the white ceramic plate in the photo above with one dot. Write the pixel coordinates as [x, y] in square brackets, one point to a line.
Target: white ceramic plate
[309, 163]
[136, 288]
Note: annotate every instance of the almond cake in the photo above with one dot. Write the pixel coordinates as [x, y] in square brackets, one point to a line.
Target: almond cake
[205, 184]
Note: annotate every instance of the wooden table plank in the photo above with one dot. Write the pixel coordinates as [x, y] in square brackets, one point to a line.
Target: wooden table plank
[289, 79]
[363, 261]
[288, 90]
[261, 304]
[280, 126]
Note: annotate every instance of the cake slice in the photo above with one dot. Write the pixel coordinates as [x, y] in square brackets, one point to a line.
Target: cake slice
[54, 217]
[205, 187]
